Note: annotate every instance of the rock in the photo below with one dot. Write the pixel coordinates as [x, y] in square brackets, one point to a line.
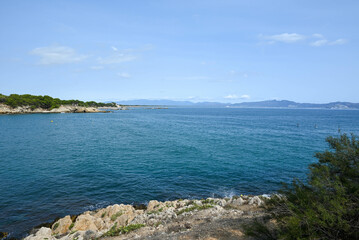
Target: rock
[255, 201]
[89, 235]
[237, 202]
[125, 219]
[87, 222]
[43, 233]
[62, 225]
[152, 205]
[222, 202]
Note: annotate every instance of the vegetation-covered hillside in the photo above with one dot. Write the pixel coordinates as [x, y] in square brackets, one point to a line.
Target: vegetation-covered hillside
[46, 102]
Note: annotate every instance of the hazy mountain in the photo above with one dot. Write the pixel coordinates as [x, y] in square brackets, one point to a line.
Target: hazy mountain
[260, 104]
[291, 104]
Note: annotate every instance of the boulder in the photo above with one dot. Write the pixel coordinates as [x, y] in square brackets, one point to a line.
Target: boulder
[125, 219]
[237, 202]
[255, 201]
[62, 225]
[87, 222]
[152, 205]
[43, 233]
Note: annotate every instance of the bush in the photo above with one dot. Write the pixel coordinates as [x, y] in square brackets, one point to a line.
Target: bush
[327, 206]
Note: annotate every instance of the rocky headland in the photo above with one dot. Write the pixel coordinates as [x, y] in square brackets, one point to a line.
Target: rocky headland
[5, 109]
[211, 218]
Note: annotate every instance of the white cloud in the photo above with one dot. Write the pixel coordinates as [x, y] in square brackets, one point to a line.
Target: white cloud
[295, 37]
[124, 75]
[117, 58]
[114, 48]
[324, 42]
[234, 96]
[338, 42]
[285, 38]
[231, 96]
[319, 43]
[57, 55]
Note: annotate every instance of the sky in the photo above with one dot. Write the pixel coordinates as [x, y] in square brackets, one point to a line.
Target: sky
[225, 51]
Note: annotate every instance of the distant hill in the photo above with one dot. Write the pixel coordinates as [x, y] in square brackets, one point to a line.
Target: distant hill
[291, 104]
[260, 104]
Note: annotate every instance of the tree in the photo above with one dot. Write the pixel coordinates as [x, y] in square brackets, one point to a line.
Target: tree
[327, 205]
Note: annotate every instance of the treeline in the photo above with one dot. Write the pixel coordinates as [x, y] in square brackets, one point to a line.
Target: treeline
[46, 102]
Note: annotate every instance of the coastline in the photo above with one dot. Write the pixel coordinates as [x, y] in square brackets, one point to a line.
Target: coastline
[209, 218]
[5, 109]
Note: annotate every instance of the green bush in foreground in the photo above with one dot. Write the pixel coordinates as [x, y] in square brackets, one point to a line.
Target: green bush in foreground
[326, 207]
[115, 231]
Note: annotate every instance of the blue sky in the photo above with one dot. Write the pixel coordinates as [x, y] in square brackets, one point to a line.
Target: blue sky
[227, 51]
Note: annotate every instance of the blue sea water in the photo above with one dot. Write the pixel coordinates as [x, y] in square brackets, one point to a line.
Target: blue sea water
[52, 165]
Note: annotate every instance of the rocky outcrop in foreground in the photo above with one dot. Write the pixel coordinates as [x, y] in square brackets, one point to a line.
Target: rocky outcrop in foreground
[5, 109]
[212, 218]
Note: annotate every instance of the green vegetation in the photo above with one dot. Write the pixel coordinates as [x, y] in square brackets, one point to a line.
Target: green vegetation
[116, 215]
[194, 207]
[71, 226]
[103, 214]
[326, 206]
[115, 231]
[155, 211]
[207, 201]
[56, 225]
[46, 102]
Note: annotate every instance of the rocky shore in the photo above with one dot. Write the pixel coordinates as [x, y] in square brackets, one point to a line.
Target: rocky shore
[211, 218]
[5, 109]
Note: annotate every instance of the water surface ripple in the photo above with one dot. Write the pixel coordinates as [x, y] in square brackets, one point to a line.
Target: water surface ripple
[86, 161]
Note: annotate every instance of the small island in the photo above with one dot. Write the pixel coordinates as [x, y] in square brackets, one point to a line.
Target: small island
[26, 103]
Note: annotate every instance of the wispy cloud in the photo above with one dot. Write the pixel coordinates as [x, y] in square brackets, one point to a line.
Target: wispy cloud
[124, 75]
[339, 41]
[284, 37]
[319, 43]
[315, 40]
[123, 55]
[118, 57]
[322, 41]
[231, 96]
[234, 96]
[57, 55]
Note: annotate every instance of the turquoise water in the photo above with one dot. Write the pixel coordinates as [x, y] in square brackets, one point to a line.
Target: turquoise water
[86, 161]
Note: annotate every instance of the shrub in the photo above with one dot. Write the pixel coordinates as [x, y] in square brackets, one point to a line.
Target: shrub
[115, 231]
[327, 205]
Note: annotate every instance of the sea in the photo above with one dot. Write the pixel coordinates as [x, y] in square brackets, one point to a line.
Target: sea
[52, 165]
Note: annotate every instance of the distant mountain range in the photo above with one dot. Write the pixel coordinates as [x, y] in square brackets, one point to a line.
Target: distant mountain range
[261, 104]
